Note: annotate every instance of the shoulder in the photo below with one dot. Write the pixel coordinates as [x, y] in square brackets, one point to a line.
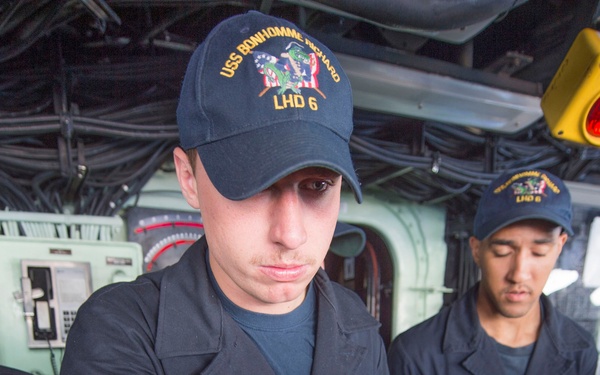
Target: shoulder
[118, 318]
[124, 304]
[459, 318]
[566, 331]
[425, 347]
[125, 293]
[569, 338]
[415, 350]
[428, 333]
[143, 295]
[123, 320]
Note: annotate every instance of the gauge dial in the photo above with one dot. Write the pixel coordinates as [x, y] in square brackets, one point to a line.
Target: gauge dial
[168, 250]
[164, 235]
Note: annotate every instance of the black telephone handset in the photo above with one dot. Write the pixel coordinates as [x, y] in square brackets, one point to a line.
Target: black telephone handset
[44, 326]
[52, 292]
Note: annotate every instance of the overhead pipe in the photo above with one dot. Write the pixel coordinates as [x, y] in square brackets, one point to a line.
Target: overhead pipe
[432, 15]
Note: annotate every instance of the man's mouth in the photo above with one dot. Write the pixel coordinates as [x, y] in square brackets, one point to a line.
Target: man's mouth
[284, 272]
[517, 295]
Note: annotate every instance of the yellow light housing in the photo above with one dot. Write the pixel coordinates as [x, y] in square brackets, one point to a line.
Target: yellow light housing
[571, 103]
[593, 120]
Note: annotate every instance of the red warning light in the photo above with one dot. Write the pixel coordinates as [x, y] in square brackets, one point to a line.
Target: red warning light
[571, 103]
[593, 120]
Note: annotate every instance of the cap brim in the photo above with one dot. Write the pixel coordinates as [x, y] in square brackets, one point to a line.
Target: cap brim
[512, 216]
[243, 165]
[348, 240]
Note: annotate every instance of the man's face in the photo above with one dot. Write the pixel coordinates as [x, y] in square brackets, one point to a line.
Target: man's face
[515, 263]
[265, 250]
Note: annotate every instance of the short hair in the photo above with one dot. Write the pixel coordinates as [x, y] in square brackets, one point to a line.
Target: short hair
[191, 154]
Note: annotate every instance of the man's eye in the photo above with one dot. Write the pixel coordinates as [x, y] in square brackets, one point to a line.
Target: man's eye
[500, 251]
[319, 185]
[541, 251]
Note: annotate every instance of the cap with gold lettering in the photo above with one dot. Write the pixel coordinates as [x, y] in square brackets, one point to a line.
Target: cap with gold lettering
[262, 99]
[522, 195]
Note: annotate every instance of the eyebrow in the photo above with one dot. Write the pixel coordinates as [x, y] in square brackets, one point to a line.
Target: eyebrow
[322, 172]
[500, 242]
[539, 241]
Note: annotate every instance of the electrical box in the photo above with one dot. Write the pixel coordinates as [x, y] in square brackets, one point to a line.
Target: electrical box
[44, 281]
[571, 104]
[51, 293]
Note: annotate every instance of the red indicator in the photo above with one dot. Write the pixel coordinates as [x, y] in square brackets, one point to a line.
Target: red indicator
[593, 120]
[174, 224]
[165, 248]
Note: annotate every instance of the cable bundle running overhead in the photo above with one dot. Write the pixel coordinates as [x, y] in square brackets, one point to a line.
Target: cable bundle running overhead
[89, 90]
[112, 128]
[434, 163]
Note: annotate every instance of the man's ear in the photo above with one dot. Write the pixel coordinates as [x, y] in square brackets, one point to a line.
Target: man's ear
[186, 177]
[475, 244]
[562, 240]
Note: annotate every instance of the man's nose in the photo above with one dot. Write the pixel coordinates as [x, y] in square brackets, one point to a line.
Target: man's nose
[287, 225]
[521, 267]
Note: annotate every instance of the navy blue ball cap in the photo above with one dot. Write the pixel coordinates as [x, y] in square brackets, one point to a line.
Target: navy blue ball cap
[522, 195]
[262, 99]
